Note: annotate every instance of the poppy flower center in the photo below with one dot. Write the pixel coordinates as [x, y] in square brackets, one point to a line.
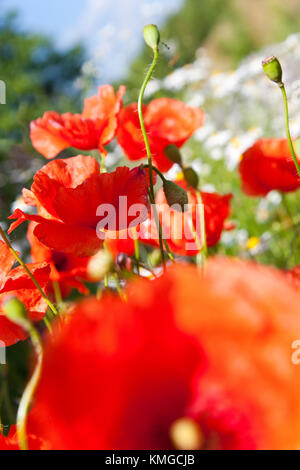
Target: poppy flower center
[60, 261]
[185, 434]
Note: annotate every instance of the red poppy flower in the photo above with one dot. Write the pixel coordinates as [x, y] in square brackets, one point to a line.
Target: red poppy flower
[268, 165]
[95, 127]
[293, 275]
[214, 351]
[68, 270]
[120, 242]
[179, 228]
[167, 121]
[16, 282]
[70, 191]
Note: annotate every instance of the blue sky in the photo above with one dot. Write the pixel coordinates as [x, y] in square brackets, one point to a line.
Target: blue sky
[111, 29]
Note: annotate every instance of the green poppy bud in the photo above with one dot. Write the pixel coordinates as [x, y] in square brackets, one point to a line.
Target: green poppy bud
[99, 265]
[151, 36]
[272, 69]
[191, 177]
[173, 154]
[175, 195]
[16, 312]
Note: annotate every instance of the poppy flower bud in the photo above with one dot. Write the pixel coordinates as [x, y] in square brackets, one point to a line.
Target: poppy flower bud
[99, 265]
[16, 312]
[272, 69]
[186, 435]
[191, 177]
[151, 36]
[175, 195]
[173, 154]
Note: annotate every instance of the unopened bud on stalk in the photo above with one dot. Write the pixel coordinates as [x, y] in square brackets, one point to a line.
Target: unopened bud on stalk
[173, 154]
[175, 195]
[272, 69]
[16, 312]
[99, 265]
[151, 36]
[191, 177]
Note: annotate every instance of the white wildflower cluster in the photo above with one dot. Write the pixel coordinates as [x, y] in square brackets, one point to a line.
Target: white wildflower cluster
[241, 105]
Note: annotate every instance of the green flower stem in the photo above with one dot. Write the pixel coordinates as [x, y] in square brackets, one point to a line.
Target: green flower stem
[119, 289]
[140, 111]
[136, 249]
[156, 171]
[48, 324]
[202, 245]
[164, 241]
[31, 386]
[34, 280]
[202, 222]
[148, 150]
[103, 163]
[57, 292]
[287, 127]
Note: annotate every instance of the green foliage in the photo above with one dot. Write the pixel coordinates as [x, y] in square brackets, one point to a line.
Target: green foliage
[38, 78]
[187, 29]
[229, 29]
[279, 226]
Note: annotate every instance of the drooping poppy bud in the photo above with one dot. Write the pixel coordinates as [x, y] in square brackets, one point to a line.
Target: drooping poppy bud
[173, 154]
[151, 36]
[15, 312]
[175, 195]
[272, 69]
[191, 177]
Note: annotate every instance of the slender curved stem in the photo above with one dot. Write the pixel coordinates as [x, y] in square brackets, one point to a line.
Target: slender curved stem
[164, 241]
[148, 150]
[142, 123]
[202, 222]
[287, 128]
[30, 388]
[157, 171]
[136, 249]
[57, 292]
[103, 163]
[119, 289]
[34, 280]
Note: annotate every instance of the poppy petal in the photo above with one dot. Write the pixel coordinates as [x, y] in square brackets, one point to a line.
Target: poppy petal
[76, 240]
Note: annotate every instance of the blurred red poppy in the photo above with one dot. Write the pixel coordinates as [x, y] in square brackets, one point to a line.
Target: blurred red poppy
[16, 283]
[120, 242]
[167, 121]
[70, 191]
[68, 270]
[293, 275]
[268, 165]
[214, 350]
[95, 127]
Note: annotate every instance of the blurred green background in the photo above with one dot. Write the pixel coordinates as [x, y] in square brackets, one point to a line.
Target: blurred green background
[41, 76]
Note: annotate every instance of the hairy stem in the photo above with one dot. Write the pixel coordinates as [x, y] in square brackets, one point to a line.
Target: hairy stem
[30, 388]
[148, 150]
[34, 280]
[287, 128]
